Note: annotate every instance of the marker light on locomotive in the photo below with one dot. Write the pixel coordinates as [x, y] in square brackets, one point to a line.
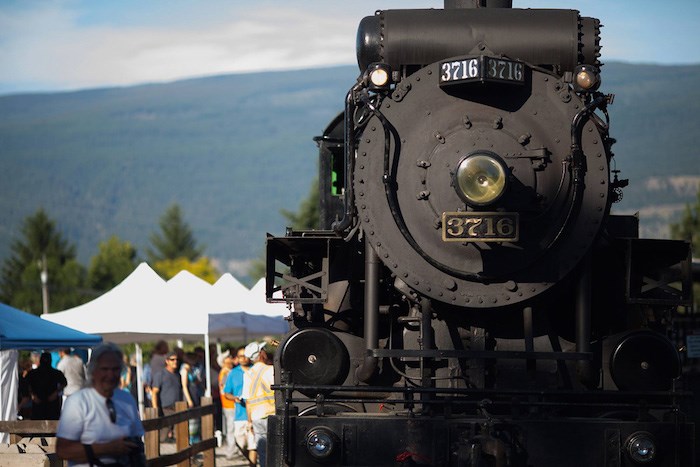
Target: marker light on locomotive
[480, 178]
[379, 76]
[586, 78]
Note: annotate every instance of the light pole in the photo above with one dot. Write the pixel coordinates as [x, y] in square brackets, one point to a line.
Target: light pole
[44, 274]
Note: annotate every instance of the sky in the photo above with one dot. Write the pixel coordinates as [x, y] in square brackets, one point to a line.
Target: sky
[60, 45]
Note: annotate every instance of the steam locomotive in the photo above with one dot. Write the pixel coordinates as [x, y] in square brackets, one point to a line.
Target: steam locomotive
[470, 300]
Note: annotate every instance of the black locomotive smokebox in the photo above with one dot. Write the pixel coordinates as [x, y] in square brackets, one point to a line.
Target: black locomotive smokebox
[315, 357]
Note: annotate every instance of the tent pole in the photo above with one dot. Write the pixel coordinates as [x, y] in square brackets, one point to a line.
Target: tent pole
[207, 358]
[9, 381]
[139, 377]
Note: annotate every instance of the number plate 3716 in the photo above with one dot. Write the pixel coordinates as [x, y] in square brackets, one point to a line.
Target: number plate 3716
[482, 68]
[480, 227]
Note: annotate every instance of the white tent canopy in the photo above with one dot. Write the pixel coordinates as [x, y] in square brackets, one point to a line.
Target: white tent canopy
[184, 305]
[145, 308]
[229, 295]
[254, 302]
[226, 288]
[133, 311]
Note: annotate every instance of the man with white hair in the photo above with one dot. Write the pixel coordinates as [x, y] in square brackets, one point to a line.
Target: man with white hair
[258, 395]
[100, 424]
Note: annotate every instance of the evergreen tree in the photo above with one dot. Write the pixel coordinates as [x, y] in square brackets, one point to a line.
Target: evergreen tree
[308, 217]
[257, 268]
[114, 261]
[175, 239]
[688, 228]
[42, 248]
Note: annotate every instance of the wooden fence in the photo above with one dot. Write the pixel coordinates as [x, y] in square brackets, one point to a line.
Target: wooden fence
[33, 441]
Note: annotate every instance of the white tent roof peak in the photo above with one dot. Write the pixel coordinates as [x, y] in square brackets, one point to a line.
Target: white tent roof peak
[259, 287]
[253, 302]
[125, 309]
[143, 276]
[229, 284]
[144, 307]
[187, 279]
[228, 295]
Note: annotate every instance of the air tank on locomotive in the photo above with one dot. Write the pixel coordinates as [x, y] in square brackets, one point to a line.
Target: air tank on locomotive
[470, 298]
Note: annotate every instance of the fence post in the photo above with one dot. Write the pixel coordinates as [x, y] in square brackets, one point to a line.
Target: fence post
[151, 438]
[207, 432]
[182, 433]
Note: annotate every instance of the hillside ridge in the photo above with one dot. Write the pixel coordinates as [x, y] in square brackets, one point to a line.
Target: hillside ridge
[233, 150]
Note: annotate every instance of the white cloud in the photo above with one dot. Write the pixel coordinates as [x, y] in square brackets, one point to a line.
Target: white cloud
[72, 44]
[61, 54]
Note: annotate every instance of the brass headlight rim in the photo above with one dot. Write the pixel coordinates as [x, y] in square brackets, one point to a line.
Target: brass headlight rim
[498, 160]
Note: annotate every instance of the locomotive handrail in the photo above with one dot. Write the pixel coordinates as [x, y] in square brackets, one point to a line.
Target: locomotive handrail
[390, 193]
[577, 159]
[493, 393]
[509, 402]
[349, 156]
[516, 354]
[328, 139]
[618, 406]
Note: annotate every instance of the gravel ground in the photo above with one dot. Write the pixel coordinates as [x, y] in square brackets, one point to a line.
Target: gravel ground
[220, 460]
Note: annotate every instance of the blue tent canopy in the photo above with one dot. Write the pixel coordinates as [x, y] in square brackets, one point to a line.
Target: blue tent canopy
[20, 330]
[244, 326]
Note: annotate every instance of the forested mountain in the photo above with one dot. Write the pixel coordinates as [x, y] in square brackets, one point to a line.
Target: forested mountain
[655, 119]
[233, 150]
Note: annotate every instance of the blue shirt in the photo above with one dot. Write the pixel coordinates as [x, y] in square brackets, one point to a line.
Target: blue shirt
[234, 386]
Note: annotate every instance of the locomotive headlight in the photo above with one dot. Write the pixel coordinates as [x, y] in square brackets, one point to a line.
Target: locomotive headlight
[321, 443]
[641, 447]
[480, 178]
[586, 78]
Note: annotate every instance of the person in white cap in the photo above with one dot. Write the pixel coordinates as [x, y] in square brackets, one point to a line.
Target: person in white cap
[258, 395]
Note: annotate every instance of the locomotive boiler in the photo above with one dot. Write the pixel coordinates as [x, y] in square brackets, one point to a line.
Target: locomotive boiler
[470, 300]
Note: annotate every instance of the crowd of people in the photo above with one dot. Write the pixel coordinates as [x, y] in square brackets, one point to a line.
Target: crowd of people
[96, 403]
[245, 380]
